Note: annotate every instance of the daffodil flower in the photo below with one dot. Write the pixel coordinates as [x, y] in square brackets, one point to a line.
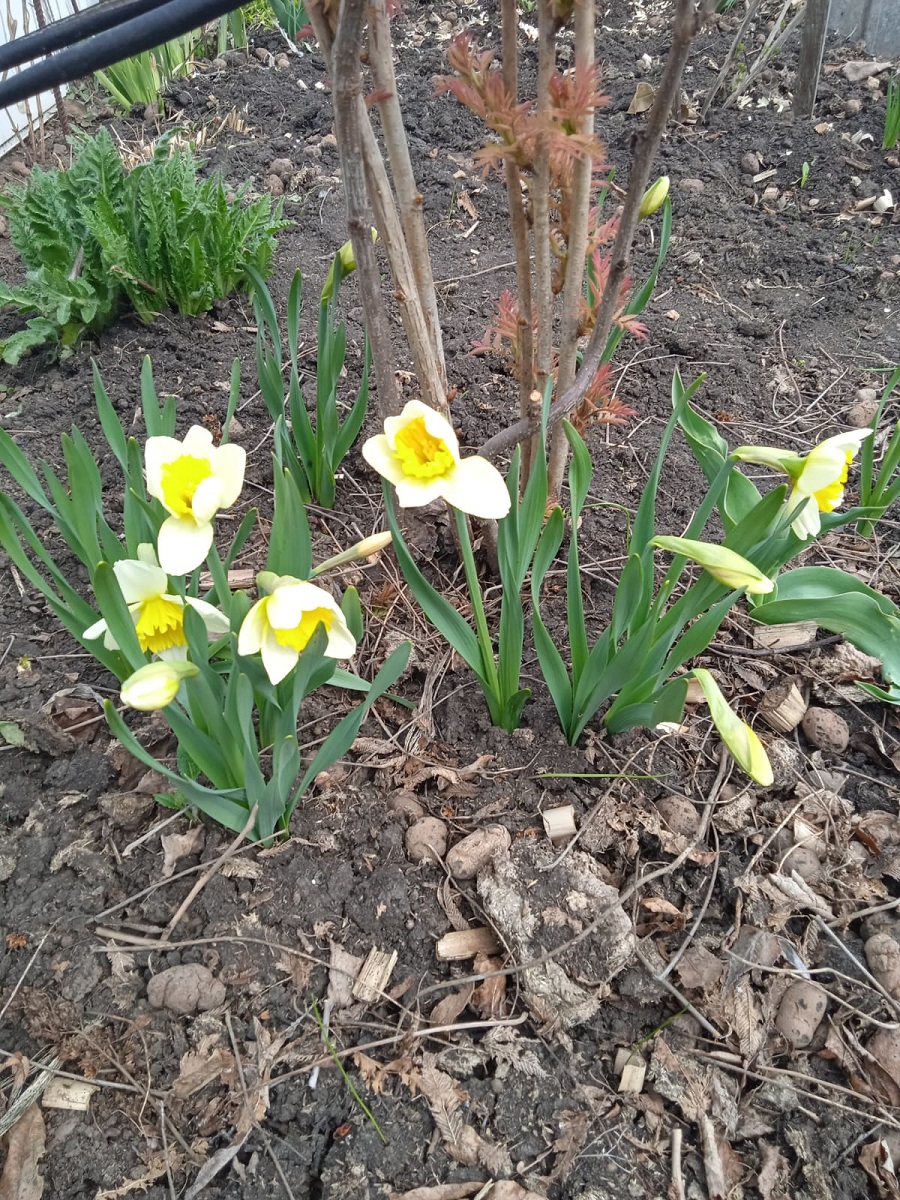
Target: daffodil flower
[819, 477]
[280, 625]
[419, 454]
[654, 197]
[723, 564]
[740, 739]
[157, 614]
[192, 479]
[154, 686]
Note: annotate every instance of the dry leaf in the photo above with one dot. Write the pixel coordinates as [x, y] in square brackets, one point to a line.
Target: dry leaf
[447, 1010]
[155, 1169]
[441, 1191]
[798, 892]
[343, 969]
[200, 1067]
[464, 201]
[21, 1178]
[773, 1171]
[642, 100]
[699, 969]
[180, 845]
[573, 1129]
[875, 1159]
[487, 999]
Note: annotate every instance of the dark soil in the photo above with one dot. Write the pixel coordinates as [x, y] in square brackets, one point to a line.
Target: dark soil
[788, 302]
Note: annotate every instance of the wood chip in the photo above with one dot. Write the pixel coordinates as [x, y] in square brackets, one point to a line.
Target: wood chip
[371, 982]
[70, 1094]
[467, 943]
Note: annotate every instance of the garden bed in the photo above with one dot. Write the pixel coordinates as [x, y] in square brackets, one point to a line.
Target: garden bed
[787, 297]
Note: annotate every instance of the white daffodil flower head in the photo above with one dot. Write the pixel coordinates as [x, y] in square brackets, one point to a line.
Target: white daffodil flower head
[729, 568]
[419, 454]
[741, 740]
[279, 626]
[819, 477]
[158, 615]
[154, 686]
[192, 479]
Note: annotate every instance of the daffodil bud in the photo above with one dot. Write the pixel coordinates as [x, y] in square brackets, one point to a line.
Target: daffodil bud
[156, 685]
[348, 266]
[654, 197]
[744, 745]
[729, 568]
[364, 549]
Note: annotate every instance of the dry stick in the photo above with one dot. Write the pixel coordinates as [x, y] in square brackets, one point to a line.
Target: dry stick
[519, 229]
[342, 56]
[686, 26]
[381, 61]
[582, 176]
[207, 875]
[893, 1004]
[774, 42]
[729, 57]
[677, 1176]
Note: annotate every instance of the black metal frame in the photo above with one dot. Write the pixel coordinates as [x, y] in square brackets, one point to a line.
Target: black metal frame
[98, 38]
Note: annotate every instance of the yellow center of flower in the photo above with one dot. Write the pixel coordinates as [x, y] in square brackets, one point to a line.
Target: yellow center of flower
[180, 479]
[421, 455]
[160, 625]
[298, 637]
[828, 498]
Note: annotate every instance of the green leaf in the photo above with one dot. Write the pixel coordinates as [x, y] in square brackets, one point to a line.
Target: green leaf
[711, 452]
[290, 546]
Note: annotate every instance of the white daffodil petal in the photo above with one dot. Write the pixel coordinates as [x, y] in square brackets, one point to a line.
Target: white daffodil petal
[416, 493]
[147, 554]
[157, 452]
[253, 628]
[207, 499]
[475, 486]
[94, 631]
[807, 523]
[229, 466]
[341, 642]
[183, 545]
[138, 580]
[216, 622]
[290, 601]
[378, 454]
[437, 425]
[173, 655]
[197, 442]
[277, 660]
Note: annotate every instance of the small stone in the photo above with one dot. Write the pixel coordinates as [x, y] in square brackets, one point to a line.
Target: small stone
[865, 395]
[312, 151]
[186, 989]
[750, 163]
[20, 168]
[800, 1012]
[804, 861]
[275, 185]
[220, 63]
[826, 730]
[328, 139]
[679, 815]
[426, 840]
[4, 226]
[262, 54]
[475, 851]
[853, 106]
[883, 957]
[283, 167]
[861, 414]
[151, 114]
[691, 185]
[406, 807]
[872, 84]
[127, 810]
[282, 62]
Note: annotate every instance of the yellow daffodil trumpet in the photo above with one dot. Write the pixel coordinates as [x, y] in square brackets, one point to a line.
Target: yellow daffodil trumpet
[154, 686]
[192, 479]
[419, 454]
[818, 478]
[158, 615]
[280, 625]
[729, 568]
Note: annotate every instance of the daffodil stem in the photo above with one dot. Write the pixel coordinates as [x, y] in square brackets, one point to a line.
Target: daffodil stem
[491, 680]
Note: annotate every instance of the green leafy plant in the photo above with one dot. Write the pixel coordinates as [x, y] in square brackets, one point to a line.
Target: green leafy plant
[96, 240]
[142, 78]
[879, 490]
[291, 17]
[892, 114]
[229, 675]
[232, 29]
[311, 450]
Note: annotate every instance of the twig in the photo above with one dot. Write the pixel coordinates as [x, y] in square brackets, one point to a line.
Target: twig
[677, 1191]
[774, 651]
[861, 967]
[342, 55]
[207, 875]
[165, 1150]
[751, 12]
[688, 22]
[692, 932]
[679, 996]
[21, 979]
[773, 43]
[540, 209]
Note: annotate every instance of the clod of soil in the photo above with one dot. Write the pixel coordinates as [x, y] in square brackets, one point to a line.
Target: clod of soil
[883, 957]
[537, 910]
[186, 989]
[805, 862]
[679, 814]
[826, 730]
[405, 807]
[800, 1013]
[475, 851]
[426, 840]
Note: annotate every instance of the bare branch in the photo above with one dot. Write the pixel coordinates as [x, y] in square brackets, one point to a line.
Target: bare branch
[688, 22]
